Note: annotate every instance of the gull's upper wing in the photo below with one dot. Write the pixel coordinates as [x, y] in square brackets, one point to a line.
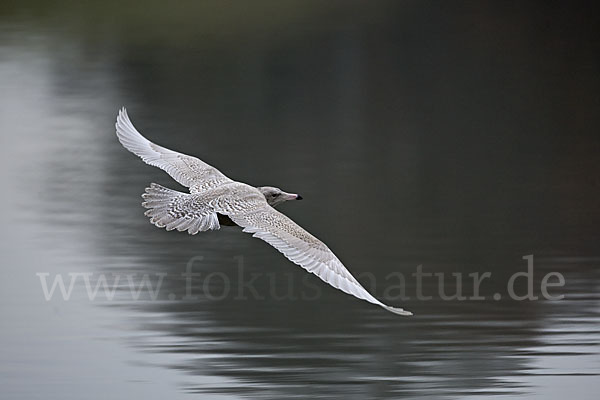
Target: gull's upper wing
[187, 170]
[303, 249]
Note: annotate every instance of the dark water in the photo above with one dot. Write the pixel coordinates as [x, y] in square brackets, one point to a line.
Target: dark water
[459, 137]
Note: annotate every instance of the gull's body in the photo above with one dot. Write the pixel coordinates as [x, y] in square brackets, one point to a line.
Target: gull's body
[214, 197]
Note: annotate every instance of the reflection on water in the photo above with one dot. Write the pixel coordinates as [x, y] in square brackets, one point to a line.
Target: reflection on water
[455, 139]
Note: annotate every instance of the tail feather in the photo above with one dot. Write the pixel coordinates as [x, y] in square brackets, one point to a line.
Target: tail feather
[171, 209]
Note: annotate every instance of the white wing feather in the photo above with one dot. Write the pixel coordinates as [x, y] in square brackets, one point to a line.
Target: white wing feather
[187, 170]
[305, 250]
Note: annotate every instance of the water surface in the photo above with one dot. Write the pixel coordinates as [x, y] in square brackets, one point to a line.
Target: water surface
[473, 130]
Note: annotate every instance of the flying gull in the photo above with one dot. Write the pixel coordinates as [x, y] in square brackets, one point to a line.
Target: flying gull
[214, 200]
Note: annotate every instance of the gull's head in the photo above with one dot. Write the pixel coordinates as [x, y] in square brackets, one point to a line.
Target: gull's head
[277, 196]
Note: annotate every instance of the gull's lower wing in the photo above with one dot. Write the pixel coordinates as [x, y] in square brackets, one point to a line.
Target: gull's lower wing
[305, 250]
[187, 170]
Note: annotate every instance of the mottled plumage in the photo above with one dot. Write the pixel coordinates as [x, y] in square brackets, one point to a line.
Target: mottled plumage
[214, 199]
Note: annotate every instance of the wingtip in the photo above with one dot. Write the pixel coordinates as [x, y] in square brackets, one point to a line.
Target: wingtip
[399, 311]
[123, 125]
[122, 114]
[119, 117]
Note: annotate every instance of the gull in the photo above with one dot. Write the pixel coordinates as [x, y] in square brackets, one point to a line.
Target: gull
[214, 200]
